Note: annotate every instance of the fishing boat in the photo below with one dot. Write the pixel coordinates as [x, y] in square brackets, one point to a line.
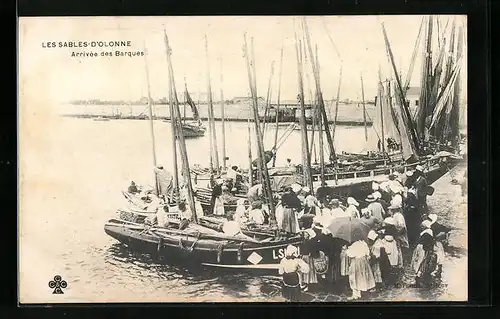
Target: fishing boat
[350, 174]
[194, 128]
[101, 118]
[198, 245]
[201, 242]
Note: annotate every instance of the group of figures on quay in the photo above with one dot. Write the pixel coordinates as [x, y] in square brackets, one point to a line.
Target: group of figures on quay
[359, 245]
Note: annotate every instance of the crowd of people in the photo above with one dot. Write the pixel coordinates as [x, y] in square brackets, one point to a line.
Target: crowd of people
[401, 233]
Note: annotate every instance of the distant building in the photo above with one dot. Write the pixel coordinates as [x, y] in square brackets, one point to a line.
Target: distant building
[413, 96]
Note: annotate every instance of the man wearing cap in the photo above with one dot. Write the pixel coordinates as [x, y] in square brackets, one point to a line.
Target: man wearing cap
[375, 208]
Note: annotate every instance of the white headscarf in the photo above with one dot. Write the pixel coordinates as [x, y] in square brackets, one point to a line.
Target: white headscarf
[291, 251]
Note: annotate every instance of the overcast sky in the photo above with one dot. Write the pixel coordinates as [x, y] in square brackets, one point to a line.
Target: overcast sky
[359, 40]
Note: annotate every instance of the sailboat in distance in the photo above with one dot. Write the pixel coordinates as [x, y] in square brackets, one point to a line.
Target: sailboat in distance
[195, 127]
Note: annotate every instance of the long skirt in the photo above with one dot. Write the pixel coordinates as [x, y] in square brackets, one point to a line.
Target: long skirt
[417, 257]
[377, 273]
[291, 286]
[360, 274]
[290, 223]
[393, 252]
[219, 206]
[385, 266]
[310, 277]
[439, 249]
[344, 263]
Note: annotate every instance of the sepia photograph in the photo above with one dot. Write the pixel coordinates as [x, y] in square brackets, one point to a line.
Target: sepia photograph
[242, 159]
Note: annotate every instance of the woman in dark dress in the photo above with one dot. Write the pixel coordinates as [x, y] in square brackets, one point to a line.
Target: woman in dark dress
[424, 259]
[291, 266]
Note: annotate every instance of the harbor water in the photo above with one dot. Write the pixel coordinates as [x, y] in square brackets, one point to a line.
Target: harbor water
[72, 175]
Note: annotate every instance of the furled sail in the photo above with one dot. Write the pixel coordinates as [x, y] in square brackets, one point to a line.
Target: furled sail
[442, 102]
[194, 109]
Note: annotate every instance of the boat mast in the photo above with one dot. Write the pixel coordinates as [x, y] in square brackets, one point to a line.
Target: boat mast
[306, 158]
[175, 134]
[250, 169]
[185, 102]
[150, 110]
[211, 113]
[381, 101]
[441, 124]
[321, 102]
[406, 116]
[320, 134]
[268, 100]
[337, 103]
[182, 142]
[364, 107]
[314, 108]
[455, 111]
[222, 107]
[261, 158]
[277, 108]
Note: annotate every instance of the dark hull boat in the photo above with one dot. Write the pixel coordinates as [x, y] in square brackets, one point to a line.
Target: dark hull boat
[342, 184]
[193, 130]
[198, 245]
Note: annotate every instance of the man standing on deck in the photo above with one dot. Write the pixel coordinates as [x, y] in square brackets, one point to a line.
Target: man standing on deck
[164, 180]
[256, 192]
[421, 186]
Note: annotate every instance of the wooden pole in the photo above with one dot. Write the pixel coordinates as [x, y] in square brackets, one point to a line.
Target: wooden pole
[306, 158]
[211, 113]
[414, 145]
[455, 111]
[250, 169]
[364, 107]
[182, 142]
[253, 89]
[319, 94]
[174, 139]
[268, 100]
[381, 99]
[337, 104]
[222, 107]
[278, 108]
[150, 110]
[266, 180]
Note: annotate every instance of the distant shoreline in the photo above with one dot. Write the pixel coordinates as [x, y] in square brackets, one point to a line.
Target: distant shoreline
[218, 119]
[228, 102]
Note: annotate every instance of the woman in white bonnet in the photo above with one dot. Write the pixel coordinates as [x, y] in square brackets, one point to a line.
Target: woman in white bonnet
[391, 247]
[360, 273]
[352, 208]
[290, 267]
[309, 250]
[424, 259]
[375, 245]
